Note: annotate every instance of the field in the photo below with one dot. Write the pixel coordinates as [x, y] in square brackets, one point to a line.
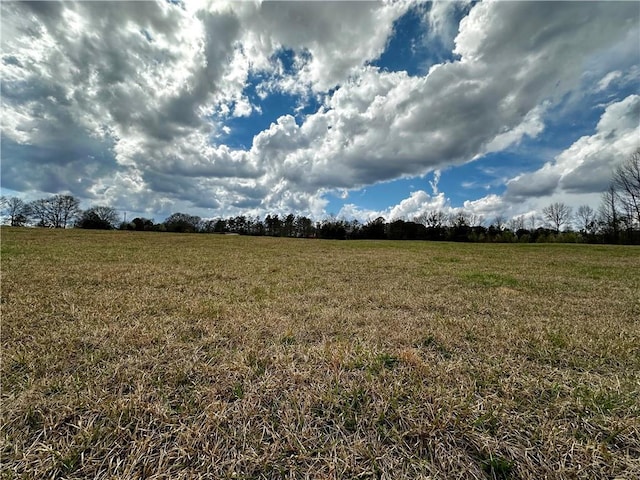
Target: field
[149, 355]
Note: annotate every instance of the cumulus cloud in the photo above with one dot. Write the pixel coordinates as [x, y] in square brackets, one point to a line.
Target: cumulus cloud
[147, 85]
[420, 202]
[486, 207]
[576, 176]
[586, 166]
[417, 203]
[382, 125]
[332, 40]
[125, 101]
[440, 20]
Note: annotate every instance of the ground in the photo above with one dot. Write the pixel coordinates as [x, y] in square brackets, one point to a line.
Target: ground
[155, 355]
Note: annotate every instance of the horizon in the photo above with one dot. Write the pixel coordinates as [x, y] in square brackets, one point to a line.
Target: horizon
[352, 109]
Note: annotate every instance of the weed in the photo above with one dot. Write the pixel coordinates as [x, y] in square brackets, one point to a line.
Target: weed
[351, 406]
[488, 422]
[238, 391]
[431, 343]
[70, 462]
[383, 361]
[34, 418]
[497, 467]
[287, 340]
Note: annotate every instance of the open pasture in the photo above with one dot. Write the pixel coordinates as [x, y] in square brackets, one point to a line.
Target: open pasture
[146, 355]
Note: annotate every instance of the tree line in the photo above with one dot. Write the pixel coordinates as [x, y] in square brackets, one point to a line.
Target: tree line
[617, 220]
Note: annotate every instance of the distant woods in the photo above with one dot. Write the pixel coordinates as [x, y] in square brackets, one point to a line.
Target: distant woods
[616, 220]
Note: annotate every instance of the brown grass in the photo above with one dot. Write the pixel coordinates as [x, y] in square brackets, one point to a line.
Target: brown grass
[142, 355]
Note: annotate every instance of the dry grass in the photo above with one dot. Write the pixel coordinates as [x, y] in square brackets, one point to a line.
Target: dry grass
[142, 355]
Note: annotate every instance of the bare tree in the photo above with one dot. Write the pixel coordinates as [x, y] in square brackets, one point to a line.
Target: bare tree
[57, 211]
[475, 219]
[586, 219]
[557, 214]
[609, 214]
[44, 213]
[626, 181]
[628, 217]
[432, 219]
[500, 222]
[17, 210]
[461, 218]
[516, 223]
[69, 208]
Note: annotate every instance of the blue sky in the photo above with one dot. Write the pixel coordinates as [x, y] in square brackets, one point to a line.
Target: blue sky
[352, 109]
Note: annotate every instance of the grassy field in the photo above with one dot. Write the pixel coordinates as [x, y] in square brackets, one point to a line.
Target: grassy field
[145, 355]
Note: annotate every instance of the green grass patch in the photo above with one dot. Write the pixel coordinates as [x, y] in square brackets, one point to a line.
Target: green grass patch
[498, 468]
[491, 280]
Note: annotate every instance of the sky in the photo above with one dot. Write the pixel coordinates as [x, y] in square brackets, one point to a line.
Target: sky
[351, 110]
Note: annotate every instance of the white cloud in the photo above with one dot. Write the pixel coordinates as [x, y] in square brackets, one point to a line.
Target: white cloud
[383, 125]
[417, 203]
[338, 37]
[531, 126]
[350, 211]
[435, 181]
[586, 166]
[486, 207]
[440, 20]
[610, 77]
[129, 98]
